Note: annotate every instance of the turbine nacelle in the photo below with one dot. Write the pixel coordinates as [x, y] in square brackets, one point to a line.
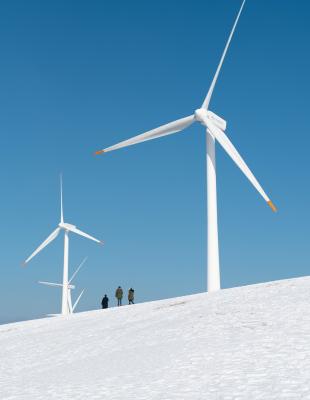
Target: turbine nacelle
[217, 121]
[202, 115]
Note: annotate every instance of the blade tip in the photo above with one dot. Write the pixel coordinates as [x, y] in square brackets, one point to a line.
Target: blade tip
[96, 153]
[272, 206]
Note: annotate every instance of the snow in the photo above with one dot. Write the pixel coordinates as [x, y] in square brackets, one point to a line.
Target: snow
[247, 343]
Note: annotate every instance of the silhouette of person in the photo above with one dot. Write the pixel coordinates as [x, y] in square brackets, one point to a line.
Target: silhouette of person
[131, 296]
[119, 295]
[105, 301]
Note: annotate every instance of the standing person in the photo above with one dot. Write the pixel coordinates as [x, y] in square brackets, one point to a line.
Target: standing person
[105, 301]
[119, 295]
[131, 296]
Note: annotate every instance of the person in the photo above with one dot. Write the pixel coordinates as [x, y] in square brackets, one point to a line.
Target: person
[105, 302]
[131, 296]
[119, 295]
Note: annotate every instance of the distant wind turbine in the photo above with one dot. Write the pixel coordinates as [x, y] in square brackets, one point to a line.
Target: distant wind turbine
[65, 309]
[69, 288]
[215, 127]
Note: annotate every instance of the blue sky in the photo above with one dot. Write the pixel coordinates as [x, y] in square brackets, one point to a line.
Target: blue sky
[77, 76]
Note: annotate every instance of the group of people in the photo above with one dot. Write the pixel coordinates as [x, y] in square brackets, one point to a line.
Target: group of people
[119, 296]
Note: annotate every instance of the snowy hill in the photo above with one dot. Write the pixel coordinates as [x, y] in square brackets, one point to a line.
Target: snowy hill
[247, 343]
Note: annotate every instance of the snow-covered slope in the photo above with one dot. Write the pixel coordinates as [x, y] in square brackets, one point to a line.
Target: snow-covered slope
[244, 343]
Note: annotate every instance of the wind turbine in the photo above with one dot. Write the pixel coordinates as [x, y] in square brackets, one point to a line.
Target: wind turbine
[215, 127]
[69, 288]
[63, 226]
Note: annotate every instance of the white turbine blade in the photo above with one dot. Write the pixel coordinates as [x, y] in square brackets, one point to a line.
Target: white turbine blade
[51, 283]
[81, 233]
[233, 153]
[51, 237]
[77, 300]
[77, 270]
[61, 201]
[168, 129]
[209, 95]
[55, 284]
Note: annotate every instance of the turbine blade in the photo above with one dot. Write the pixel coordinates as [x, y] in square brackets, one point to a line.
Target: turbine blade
[51, 283]
[81, 233]
[56, 284]
[233, 153]
[77, 270]
[51, 237]
[168, 129]
[61, 201]
[210, 92]
[77, 300]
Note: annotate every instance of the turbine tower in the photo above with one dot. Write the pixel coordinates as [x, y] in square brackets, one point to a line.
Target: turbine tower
[63, 226]
[215, 127]
[69, 288]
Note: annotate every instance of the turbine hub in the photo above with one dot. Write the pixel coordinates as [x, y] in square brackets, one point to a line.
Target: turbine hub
[66, 226]
[203, 116]
[200, 115]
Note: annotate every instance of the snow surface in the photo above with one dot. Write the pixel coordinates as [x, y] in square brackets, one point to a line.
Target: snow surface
[247, 343]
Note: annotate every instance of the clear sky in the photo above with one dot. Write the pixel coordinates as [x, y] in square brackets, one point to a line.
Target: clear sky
[77, 76]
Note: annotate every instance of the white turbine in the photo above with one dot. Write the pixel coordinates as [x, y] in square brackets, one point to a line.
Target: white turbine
[69, 288]
[66, 228]
[215, 127]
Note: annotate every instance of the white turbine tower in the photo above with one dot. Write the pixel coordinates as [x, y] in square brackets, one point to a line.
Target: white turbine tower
[215, 127]
[66, 228]
[69, 288]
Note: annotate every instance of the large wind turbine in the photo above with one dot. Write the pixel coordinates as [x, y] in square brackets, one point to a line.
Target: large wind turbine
[65, 309]
[215, 127]
[69, 288]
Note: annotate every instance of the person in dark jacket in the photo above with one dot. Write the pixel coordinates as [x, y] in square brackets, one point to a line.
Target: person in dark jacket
[131, 296]
[119, 295]
[105, 301]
